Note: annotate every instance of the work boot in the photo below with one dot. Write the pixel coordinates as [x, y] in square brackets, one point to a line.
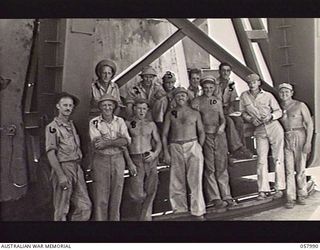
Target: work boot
[219, 203]
[289, 204]
[261, 196]
[277, 195]
[231, 203]
[301, 201]
[198, 218]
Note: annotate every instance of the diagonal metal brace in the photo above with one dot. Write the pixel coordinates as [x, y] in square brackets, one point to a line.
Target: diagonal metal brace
[151, 56]
[208, 44]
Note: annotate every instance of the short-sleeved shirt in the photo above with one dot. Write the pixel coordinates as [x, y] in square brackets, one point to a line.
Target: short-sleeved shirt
[63, 138]
[99, 90]
[194, 92]
[137, 91]
[228, 94]
[117, 128]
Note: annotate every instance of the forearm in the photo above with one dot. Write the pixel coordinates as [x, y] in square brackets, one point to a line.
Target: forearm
[165, 144]
[55, 164]
[127, 156]
[202, 137]
[246, 117]
[276, 114]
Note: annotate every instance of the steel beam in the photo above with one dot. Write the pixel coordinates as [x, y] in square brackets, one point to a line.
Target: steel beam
[214, 49]
[246, 45]
[148, 58]
[257, 24]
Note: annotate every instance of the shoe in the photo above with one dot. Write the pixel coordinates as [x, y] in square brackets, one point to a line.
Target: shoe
[246, 152]
[261, 196]
[289, 204]
[277, 195]
[231, 203]
[219, 203]
[198, 218]
[301, 201]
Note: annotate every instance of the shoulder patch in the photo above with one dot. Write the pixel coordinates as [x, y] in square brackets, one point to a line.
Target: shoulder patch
[52, 130]
[95, 123]
[136, 90]
[231, 86]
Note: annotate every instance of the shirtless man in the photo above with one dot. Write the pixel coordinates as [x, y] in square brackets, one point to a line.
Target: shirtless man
[215, 150]
[142, 187]
[298, 127]
[183, 127]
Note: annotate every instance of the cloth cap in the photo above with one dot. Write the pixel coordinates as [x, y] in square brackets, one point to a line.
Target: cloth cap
[106, 62]
[169, 76]
[252, 77]
[148, 71]
[285, 85]
[108, 97]
[180, 90]
[207, 79]
[61, 95]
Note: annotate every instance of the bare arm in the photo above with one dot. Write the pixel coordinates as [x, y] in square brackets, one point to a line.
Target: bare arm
[156, 138]
[165, 134]
[200, 129]
[309, 127]
[222, 120]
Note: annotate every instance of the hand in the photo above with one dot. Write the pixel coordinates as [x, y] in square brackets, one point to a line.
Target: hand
[266, 118]
[167, 158]
[132, 169]
[100, 143]
[150, 157]
[306, 148]
[63, 182]
[220, 130]
[256, 122]
[195, 105]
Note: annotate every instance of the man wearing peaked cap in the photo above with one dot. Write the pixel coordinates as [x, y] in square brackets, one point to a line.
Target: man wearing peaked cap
[148, 89]
[105, 71]
[109, 137]
[298, 127]
[64, 155]
[215, 151]
[227, 92]
[183, 150]
[261, 109]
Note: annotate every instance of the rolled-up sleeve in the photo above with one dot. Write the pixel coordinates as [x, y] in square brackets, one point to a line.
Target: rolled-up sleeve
[93, 130]
[51, 138]
[123, 130]
[275, 107]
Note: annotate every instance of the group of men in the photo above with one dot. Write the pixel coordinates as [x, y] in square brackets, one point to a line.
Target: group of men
[192, 130]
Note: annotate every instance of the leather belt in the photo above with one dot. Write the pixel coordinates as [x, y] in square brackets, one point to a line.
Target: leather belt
[294, 129]
[184, 141]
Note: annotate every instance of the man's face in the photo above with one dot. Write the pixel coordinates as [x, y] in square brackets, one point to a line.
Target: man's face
[141, 110]
[107, 107]
[195, 80]
[106, 74]
[208, 89]
[285, 94]
[148, 79]
[181, 98]
[254, 85]
[65, 106]
[225, 72]
[168, 84]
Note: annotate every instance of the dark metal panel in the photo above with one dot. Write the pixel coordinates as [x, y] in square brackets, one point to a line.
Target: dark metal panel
[15, 46]
[246, 45]
[135, 68]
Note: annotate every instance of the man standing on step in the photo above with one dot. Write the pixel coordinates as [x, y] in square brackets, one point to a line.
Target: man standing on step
[216, 177]
[183, 137]
[142, 187]
[298, 127]
[70, 195]
[261, 109]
